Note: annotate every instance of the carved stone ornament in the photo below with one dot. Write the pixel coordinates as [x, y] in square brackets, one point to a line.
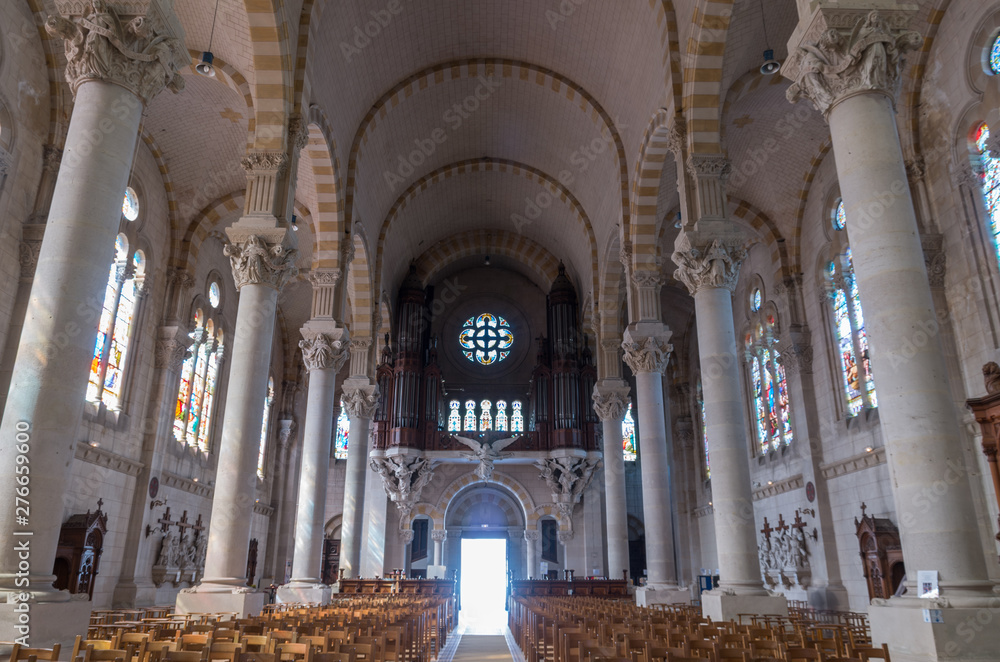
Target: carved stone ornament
[532, 536]
[319, 353]
[677, 137]
[51, 158]
[565, 537]
[27, 256]
[841, 63]
[718, 265]
[916, 168]
[626, 259]
[796, 358]
[169, 353]
[611, 402]
[329, 277]
[137, 52]
[649, 354]
[180, 279]
[403, 478]
[361, 402]
[286, 432]
[648, 278]
[439, 535]
[347, 251]
[254, 263]
[968, 175]
[567, 477]
[709, 166]
[936, 263]
[265, 162]
[406, 535]
[298, 133]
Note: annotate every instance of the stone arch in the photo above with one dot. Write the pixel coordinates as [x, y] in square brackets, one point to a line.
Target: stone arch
[470, 68]
[653, 154]
[542, 263]
[489, 495]
[272, 72]
[666, 18]
[329, 216]
[609, 322]
[332, 525]
[59, 96]
[202, 226]
[550, 510]
[767, 229]
[173, 206]
[435, 514]
[359, 289]
[480, 165]
[703, 87]
[795, 252]
[470, 480]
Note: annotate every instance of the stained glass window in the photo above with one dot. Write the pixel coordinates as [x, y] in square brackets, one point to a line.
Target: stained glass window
[772, 421]
[849, 330]
[704, 430]
[214, 296]
[755, 299]
[628, 436]
[454, 417]
[995, 55]
[516, 418]
[991, 182]
[485, 416]
[486, 339]
[839, 216]
[130, 205]
[114, 331]
[343, 432]
[501, 415]
[268, 399]
[470, 415]
[196, 392]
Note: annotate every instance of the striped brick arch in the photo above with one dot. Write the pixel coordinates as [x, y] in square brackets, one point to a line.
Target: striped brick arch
[542, 263]
[666, 18]
[202, 225]
[470, 69]
[359, 289]
[610, 325]
[273, 65]
[703, 84]
[485, 496]
[321, 154]
[795, 250]
[486, 165]
[766, 228]
[654, 153]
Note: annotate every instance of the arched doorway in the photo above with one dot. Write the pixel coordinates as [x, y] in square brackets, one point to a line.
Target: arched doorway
[485, 524]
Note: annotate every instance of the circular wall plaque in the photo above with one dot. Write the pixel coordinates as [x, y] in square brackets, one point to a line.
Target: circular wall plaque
[154, 487]
[810, 492]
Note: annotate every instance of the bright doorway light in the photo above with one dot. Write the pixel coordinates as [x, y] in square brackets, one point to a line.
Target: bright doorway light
[484, 585]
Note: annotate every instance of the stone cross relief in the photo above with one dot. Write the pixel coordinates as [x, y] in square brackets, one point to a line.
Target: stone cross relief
[181, 557]
[783, 554]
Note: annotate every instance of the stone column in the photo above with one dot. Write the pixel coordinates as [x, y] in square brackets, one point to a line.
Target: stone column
[438, 536]
[112, 78]
[708, 257]
[278, 531]
[611, 399]
[532, 536]
[261, 267]
[646, 352]
[323, 353]
[360, 399]
[848, 64]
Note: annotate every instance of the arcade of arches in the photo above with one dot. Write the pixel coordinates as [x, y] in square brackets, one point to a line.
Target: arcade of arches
[379, 275]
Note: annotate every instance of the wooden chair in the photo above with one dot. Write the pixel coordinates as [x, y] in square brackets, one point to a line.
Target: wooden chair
[193, 642]
[734, 641]
[872, 653]
[225, 634]
[737, 654]
[229, 651]
[359, 652]
[256, 657]
[19, 652]
[804, 655]
[332, 657]
[254, 643]
[702, 648]
[186, 656]
[683, 658]
[91, 654]
[80, 645]
[767, 649]
[293, 652]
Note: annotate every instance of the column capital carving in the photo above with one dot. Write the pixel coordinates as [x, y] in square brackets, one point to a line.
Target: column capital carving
[259, 162]
[27, 256]
[848, 51]
[677, 137]
[138, 44]
[324, 277]
[935, 259]
[625, 256]
[171, 346]
[797, 355]
[439, 535]
[565, 537]
[347, 251]
[180, 278]
[647, 349]
[707, 260]
[286, 432]
[360, 401]
[298, 133]
[320, 352]
[256, 263]
[709, 165]
[51, 158]
[406, 535]
[532, 535]
[611, 399]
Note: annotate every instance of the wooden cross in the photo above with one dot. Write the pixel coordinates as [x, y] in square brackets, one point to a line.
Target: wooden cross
[864, 507]
[766, 530]
[182, 523]
[165, 520]
[798, 524]
[781, 524]
[198, 526]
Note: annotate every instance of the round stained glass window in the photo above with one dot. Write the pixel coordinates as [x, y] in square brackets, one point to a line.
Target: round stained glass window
[130, 205]
[755, 300]
[995, 55]
[839, 216]
[486, 339]
[213, 294]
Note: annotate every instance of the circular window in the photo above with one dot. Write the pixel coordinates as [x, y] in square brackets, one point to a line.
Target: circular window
[755, 300]
[486, 339]
[213, 294]
[130, 205]
[839, 216]
[994, 55]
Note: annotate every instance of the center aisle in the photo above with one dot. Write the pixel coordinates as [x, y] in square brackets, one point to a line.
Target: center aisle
[484, 638]
[483, 648]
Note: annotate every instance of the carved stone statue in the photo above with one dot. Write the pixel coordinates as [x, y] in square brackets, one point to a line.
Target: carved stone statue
[168, 550]
[486, 454]
[991, 375]
[254, 263]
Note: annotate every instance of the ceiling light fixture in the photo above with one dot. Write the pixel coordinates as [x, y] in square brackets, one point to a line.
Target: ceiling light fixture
[770, 66]
[205, 67]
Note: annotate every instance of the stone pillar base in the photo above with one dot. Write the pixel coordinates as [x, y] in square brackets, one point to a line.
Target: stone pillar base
[965, 634]
[243, 604]
[47, 623]
[129, 596]
[722, 607]
[304, 594]
[662, 595]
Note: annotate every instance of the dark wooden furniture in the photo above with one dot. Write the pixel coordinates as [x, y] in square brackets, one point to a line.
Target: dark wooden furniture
[78, 556]
[881, 554]
[598, 588]
[404, 586]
